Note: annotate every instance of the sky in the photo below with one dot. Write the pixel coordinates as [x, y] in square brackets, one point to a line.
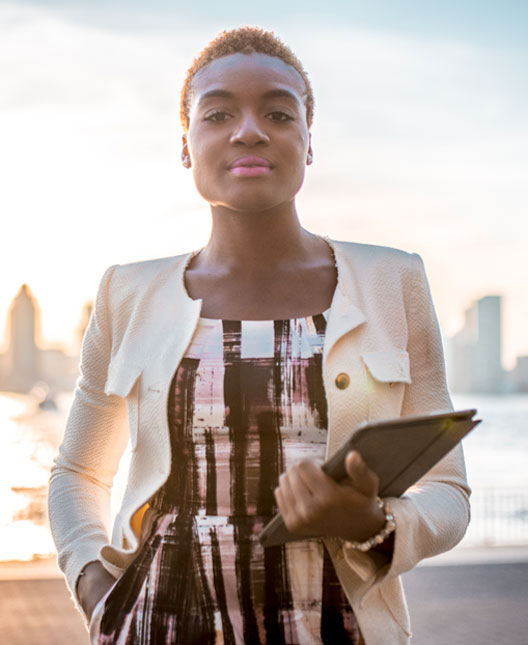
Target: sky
[420, 142]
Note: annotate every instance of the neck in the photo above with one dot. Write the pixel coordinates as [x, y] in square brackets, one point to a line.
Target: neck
[257, 240]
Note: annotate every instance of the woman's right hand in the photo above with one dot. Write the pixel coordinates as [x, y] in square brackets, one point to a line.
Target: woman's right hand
[92, 586]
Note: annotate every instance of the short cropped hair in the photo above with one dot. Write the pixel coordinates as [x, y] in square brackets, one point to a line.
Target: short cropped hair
[244, 40]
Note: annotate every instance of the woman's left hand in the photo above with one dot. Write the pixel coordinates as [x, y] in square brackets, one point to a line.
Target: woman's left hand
[312, 504]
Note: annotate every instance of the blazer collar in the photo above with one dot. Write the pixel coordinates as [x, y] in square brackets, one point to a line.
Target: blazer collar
[171, 316]
[185, 319]
[174, 333]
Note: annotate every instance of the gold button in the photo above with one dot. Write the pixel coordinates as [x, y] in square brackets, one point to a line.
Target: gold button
[342, 380]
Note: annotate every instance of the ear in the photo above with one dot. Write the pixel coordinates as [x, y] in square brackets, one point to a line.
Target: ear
[309, 154]
[185, 156]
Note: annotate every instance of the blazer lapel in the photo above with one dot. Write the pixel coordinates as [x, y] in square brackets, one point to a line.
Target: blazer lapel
[345, 314]
[170, 333]
[164, 329]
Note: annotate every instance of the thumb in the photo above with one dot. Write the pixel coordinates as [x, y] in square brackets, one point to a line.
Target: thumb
[363, 478]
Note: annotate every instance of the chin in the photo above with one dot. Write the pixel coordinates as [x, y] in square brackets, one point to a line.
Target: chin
[251, 199]
[254, 205]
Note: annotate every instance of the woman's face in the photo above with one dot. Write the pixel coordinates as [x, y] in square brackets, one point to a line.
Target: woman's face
[248, 139]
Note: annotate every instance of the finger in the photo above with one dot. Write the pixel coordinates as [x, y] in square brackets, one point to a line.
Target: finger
[284, 497]
[301, 481]
[323, 488]
[363, 478]
[285, 491]
[279, 498]
[314, 477]
[293, 499]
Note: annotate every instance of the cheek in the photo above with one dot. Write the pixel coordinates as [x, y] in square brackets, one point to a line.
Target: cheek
[298, 151]
[299, 179]
[297, 157]
[204, 161]
[199, 142]
[198, 153]
[204, 181]
[207, 174]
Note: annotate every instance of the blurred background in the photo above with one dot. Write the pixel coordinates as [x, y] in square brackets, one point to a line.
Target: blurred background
[420, 142]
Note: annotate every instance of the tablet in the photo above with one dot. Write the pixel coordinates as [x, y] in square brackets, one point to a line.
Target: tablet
[399, 451]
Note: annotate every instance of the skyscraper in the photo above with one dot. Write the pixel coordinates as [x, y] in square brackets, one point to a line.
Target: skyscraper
[23, 353]
[488, 356]
[475, 352]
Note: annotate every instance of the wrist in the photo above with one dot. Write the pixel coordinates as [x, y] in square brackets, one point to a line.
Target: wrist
[92, 584]
[386, 528]
[92, 573]
[363, 525]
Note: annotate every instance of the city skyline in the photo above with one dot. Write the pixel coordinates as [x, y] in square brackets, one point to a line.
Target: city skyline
[473, 355]
[27, 366]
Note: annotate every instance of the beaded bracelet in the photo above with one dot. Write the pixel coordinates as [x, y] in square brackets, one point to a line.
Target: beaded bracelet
[380, 537]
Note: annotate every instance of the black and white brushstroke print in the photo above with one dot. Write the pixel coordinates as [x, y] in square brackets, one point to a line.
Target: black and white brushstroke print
[246, 402]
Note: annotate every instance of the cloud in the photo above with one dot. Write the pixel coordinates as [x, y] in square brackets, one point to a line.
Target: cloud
[49, 61]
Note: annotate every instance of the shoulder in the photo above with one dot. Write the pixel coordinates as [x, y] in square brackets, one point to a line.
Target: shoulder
[364, 260]
[136, 292]
[145, 270]
[123, 286]
[370, 252]
[147, 273]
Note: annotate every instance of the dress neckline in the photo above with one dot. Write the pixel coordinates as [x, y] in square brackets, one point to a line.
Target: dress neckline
[324, 313]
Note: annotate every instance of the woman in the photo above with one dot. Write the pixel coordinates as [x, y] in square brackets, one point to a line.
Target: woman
[254, 356]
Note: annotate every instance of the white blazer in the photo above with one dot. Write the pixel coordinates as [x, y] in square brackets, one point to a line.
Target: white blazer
[382, 331]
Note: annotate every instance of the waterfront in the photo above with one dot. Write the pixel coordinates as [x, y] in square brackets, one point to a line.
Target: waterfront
[28, 441]
[496, 456]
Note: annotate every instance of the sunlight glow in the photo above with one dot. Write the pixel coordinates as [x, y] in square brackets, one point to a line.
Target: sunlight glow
[28, 444]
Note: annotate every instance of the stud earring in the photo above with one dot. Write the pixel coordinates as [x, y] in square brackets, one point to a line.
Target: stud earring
[309, 158]
[186, 161]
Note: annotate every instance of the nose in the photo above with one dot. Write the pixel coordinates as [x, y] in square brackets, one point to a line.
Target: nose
[249, 131]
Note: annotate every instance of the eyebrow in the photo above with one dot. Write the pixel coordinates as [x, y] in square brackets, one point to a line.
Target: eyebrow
[270, 94]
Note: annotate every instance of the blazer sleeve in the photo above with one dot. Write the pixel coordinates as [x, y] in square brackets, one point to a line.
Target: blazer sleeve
[94, 440]
[432, 516]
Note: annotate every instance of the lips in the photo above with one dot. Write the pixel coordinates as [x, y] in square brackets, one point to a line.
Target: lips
[250, 166]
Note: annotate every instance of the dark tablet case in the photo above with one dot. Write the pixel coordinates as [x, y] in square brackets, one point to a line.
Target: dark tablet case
[398, 451]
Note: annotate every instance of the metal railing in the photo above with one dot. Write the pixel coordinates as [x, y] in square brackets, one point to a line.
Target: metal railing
[499, 516]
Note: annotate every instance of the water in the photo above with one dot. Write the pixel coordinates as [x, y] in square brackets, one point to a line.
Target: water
[496, 457]
[28, 441]
[497, 450]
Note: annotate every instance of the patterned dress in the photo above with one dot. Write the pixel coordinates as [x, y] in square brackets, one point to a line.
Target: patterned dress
[246, 402]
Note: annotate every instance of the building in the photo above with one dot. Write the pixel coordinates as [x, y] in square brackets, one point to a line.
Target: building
[474, 354]
[489, 374]
[25, 364]
[22, 365]
[519, 375]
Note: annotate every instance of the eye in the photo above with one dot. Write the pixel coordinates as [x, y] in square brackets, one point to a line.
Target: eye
[279, 115]
[218, 116]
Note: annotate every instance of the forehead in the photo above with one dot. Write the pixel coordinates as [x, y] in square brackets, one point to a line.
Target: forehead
[253, 72]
